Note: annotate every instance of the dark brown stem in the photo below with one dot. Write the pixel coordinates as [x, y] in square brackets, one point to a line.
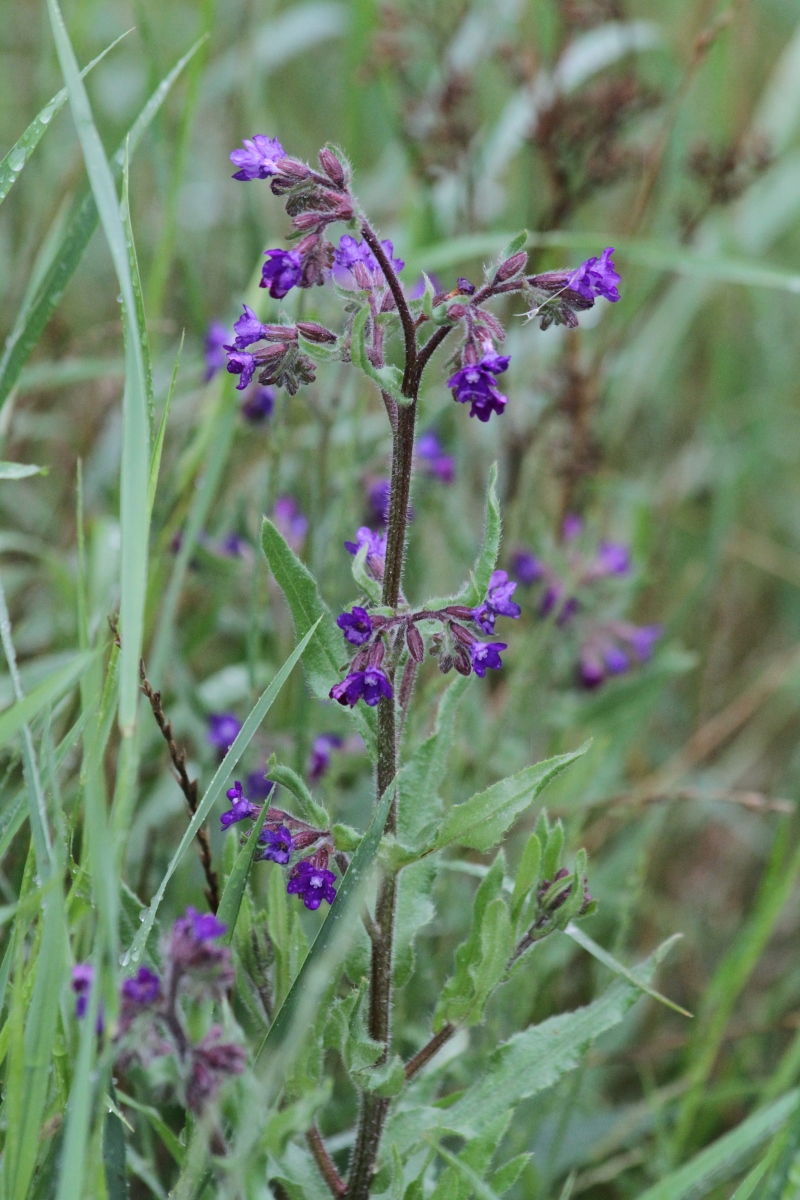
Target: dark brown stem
[188, 787]
[430, 1048]
[325, 1164]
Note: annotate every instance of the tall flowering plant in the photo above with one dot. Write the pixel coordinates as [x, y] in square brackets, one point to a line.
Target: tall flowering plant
[391, 334]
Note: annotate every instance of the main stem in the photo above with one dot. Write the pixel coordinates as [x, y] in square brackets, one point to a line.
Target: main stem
[373, 1107]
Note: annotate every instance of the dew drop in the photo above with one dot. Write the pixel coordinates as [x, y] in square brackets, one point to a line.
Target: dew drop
[16, 160]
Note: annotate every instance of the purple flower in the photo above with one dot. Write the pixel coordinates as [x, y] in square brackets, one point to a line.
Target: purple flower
[596, 277]
[216, 337]
[526, 567]
[82, 980]
[643, 638]
[465, 287]
[486, 655]
[258, 786]
[378, 495]
[282, 271]
[418, 290]
[611, 649]
[442, 465]
[613, 558]
[474, 384]
[498, 602]
[242, 364]
[248, 329]
[143, 989]
[223, 730]
[616, 660]
[320, 757]
[571, 527]
[376, 549]
[232, 546]
[350, 253]
[259, 158]
[356, 626]
[312, 884]
[204, 926]
[212, 1062]
[278, 845]
[258, 406]
[241, 809]
[290, 521]
[369, 685]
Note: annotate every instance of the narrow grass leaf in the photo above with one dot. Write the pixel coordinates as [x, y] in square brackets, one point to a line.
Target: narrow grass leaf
[223, 773]
[155, 460]
[9, 470]
[13, 720]
[724, 1157]
[576, 933]
[71, 1180]
[157, 1123]
[231, 900]
[12, 164]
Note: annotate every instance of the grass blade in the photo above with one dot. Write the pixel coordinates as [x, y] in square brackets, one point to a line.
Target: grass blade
[14, 719]
[254, 719]
[12, 164]
[576, 933]
[155, 460]
[231, 900]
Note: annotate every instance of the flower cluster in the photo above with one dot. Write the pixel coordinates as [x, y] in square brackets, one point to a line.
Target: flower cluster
[280, 362]
[560, 295]
[376, 550]
[608, 647]
[283, 836]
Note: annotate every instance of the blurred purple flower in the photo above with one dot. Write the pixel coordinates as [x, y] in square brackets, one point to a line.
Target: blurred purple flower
[258, 786]
[498, 602]
[82, 980]
[278, 845]
[223, 730]
[216, 337]
[350, 253]
[376, 549]
[142, 989]
[442, 465]
[213, 1061]
[290, 521]
[320, 757]
[378, 495]
[258, 406]
[526, 567]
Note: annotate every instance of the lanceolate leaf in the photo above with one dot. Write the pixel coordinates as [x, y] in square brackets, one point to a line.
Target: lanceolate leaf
[481, 821]
[422, 776]
[327, 651]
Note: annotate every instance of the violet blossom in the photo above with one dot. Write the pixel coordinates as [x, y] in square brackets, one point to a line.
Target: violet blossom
[248, 329]
[441, 465]
[241, 809]
[257, 407]
[290, 522]
[312, 883]
[142, 989]
[612, 648]
[259, 159]
[376, 549]
[242, 364]
[278, 845]
[498, 602]
[282, 271]
[356, 625]
[526, 567]
[475, 384]
[351, 253]
[370, 686]
[258, 786]
[596, 277]
[486, 655]
[223, 730]
[82, 980]
[378, 496]
[216, 337]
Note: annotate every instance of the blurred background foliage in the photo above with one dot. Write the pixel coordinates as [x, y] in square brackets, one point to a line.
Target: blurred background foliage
[669, 421]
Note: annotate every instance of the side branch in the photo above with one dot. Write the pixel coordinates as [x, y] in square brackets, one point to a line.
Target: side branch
[325, 1164]
[188, 787]
[395, 287]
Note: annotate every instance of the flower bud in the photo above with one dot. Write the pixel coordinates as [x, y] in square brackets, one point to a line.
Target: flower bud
[279, 333]
[376, 652]
[511, 267]
[416, 646]
[465, 287]
[462, 661]
[459, 610]
[292, 168]
[456, 312]
[310, 221]
[331, 166]
[462, 635]
[316, 333]
[445, 663]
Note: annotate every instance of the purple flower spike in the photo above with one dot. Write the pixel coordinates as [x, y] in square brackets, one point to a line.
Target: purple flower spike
[282, 271]
[259, 158]
[320, 757]
[248, 329]
[596, 277]
[143, 989]
[242, 364]
[223, 730]
[278, 845]
[474, 384]
[312, 884]
[526, 567]
[241, 809]
[352, 253]
[355, 625]
[82, 980]
[290, 521]
[216, 337]
[486, 655]
[370, 685]
[258, 407]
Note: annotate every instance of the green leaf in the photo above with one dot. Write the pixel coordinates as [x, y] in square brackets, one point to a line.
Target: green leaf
[369, 586]
[231, 899]
[537, 1057]
[386, 1080]
[326, 652]
[156, 1121]
[724, 1157]
[114, 1157]
[477, 1185]
[327, 952]
[155, 459]
[12, 164]
[527, 874]
[9, 470]
[286, 777]
[486, 561]
[414, 910]
[67, 251]
[608, 960]
[223, 774]
[515, 245]
[506, 1176]
[422, 776]
[46, 694]
[480, 960]
[481, 821]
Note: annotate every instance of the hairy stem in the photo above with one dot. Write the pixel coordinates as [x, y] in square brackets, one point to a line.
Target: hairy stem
[325, 1164]
[430, 1048]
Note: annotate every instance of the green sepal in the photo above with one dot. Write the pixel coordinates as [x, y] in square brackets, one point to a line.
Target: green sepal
[320, 351]
[515, 245]
[346, 838]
